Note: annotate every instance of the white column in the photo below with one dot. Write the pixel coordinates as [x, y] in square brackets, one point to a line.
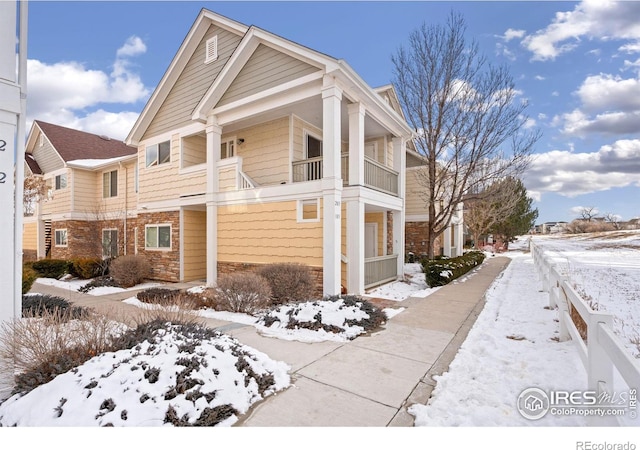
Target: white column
[446, 241]
[214, 138]
[399, 165]
[356, 144]
[355, 247]
[331, 186]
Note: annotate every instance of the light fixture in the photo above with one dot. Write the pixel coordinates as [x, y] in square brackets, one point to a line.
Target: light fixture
[240, 141]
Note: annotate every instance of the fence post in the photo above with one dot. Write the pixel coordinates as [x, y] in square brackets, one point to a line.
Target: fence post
[600, 370]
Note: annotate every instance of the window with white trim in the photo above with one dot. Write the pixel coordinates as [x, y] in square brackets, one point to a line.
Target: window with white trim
[157, 154]
[228, 148]
[309, 210]
[61, 181]
[61, 238]
[313, 146]
[211, 50]
[110, 184]
[157, 237]
[109, 243]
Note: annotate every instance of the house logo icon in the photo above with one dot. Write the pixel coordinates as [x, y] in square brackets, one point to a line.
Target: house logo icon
[533, 403]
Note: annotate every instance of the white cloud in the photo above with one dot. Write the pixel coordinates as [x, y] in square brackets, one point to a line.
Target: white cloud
[529, 123]
[570, 174]
[512, 34]
[134, 46]
[555, 94]
[611, 123]
[609, 92]
[70, 94]
[540, 77]
[601, 19]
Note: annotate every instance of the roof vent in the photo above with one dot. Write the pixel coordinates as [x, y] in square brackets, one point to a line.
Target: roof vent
[106, 138]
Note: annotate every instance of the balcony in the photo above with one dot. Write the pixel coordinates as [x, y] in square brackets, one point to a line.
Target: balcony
[379, 270]
[376, 176]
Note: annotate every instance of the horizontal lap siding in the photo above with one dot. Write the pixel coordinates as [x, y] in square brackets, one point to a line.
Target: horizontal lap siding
[164, 182]
[85, 192]
[30, 236]
[265, 151]
[194, 229]
[414, 205]
[267, 233]
[47, 158]
[265, 69]
[193, 83]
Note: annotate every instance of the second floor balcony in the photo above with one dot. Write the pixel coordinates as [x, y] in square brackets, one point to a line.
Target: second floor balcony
[376, 175]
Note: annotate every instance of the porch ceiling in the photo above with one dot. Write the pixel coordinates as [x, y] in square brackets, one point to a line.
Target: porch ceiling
[309, 110]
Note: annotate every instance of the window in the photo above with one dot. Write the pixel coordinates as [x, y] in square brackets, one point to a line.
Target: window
[309, 210]
[228, 149]
[211, 52]
[61, 238]
[110, 184]
[109, 243]
[158, 154]
[157, 236]
[371, 150]
[314, 147]
[61, 181]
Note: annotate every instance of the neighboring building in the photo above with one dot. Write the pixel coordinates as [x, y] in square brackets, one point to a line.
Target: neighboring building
[451, 241]
[91, 197]
[254, 149]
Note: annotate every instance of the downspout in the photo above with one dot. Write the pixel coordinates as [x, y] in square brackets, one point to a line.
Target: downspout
[126, 194]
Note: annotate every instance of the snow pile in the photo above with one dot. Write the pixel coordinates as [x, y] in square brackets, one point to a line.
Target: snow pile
[75, 285]
[413, 285]
[184, 375]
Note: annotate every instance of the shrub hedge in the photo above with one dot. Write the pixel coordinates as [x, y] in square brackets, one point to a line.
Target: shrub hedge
[289, 282]
[28, 277]
[439, 272]
[86, 268]
[51, 268]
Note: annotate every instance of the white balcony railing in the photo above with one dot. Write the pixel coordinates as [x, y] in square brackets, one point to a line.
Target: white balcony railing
[376, 176]
[379, 270]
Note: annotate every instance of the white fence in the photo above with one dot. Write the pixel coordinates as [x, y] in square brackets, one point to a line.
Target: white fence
[602, 350]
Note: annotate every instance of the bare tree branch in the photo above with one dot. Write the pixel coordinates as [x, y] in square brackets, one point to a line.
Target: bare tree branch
[469, 122]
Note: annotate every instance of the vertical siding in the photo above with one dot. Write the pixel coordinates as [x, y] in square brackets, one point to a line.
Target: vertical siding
[267, 233]
[265, 69]
[265, 151]
[192, 83]
[194, 229]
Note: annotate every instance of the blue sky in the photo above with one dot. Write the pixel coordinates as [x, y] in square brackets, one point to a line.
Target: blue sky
[93, 65]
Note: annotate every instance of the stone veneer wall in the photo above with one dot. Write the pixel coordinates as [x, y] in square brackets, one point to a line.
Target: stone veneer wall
[165, 264]
[84, 237]
[389, 233]
[233, 267]
[416, 239]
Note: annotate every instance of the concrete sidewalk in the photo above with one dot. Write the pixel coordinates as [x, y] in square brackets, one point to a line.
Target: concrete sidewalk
[369, 381]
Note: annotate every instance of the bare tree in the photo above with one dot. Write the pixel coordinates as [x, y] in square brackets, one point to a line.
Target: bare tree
[614, 220]
[588, 213]
[470, 125]
[490, 207]
[35, 189]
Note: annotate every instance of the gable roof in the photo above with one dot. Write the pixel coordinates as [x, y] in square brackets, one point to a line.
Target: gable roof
[74, 144]
[32, 164]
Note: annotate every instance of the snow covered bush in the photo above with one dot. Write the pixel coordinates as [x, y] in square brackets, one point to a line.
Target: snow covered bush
[243, 292]
[129, 270]
[439, 272]
[344, 317]
[289, 282]
[157, 374]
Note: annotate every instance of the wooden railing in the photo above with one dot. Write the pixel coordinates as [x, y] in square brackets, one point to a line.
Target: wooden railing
[602, 350]
[379, 270]
[307, 169]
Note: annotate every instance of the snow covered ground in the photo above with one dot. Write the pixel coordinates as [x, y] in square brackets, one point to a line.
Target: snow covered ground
[513, 345]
